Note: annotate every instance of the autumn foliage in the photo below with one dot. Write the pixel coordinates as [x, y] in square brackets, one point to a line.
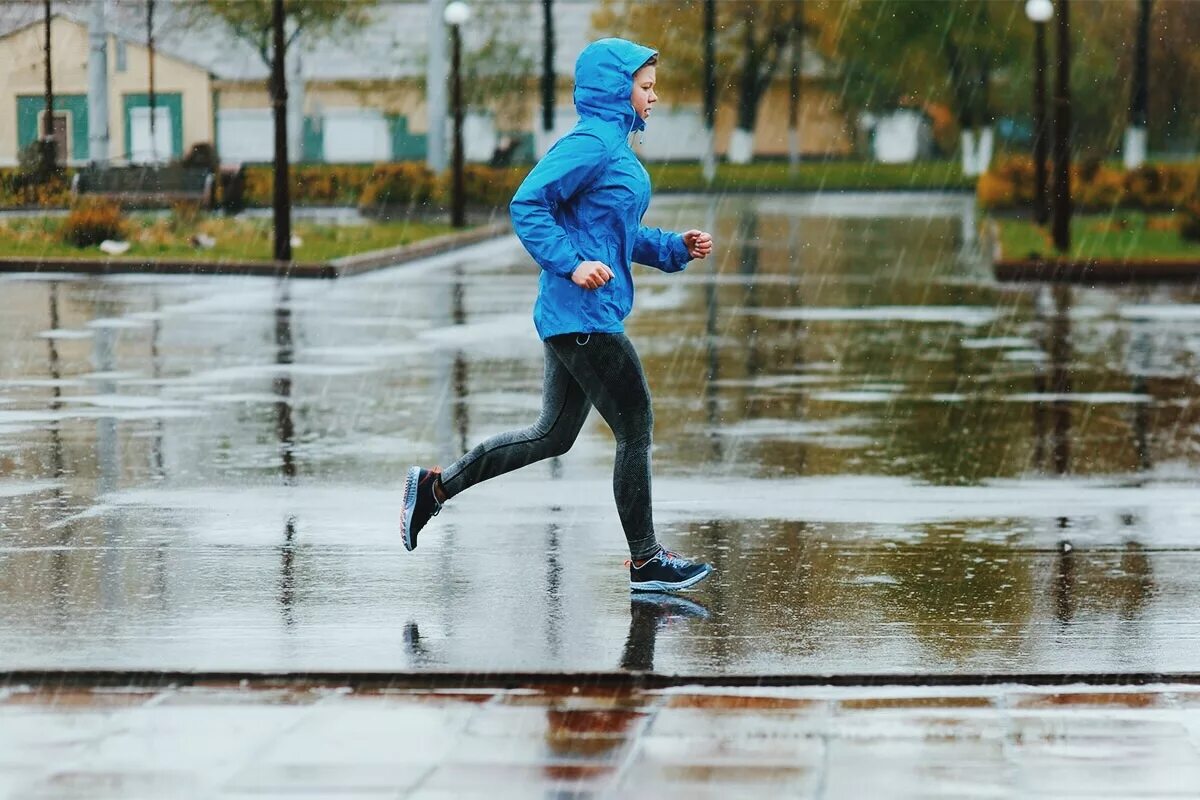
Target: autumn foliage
[92, 221]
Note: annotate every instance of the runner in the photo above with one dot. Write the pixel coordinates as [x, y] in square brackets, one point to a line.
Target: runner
[579, 214]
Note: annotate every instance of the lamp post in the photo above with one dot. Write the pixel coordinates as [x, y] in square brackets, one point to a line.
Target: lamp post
[1039, 13]
[548, 77]
[456, 14]
[1062, 133]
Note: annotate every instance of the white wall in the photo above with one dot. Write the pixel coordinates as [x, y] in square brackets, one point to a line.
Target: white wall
[675, 134]
[245, 134]
[901, 137]
[564, 119]
[356, 135]
[141, 149]
[479, 137]
[672, 134]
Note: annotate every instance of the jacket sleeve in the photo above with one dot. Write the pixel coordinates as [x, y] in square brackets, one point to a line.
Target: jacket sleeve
[660, 249]
[570, 166]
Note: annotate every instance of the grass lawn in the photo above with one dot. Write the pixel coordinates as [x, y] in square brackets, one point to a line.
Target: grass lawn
[813, 176]
[1120, 236]
[166, 237]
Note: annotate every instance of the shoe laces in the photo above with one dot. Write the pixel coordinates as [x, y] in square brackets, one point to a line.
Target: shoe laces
[668, 557]
[672, 559]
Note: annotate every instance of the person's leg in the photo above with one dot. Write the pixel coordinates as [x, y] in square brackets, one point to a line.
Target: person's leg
[564, 409]
[610, 373]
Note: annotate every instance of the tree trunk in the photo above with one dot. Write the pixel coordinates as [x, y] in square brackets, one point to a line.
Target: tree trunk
[282, 204]
[797, 53]
[152, 97]
[1061, 227]
[709, 162]
[1135, 134]
[49, 152]
[741, 145]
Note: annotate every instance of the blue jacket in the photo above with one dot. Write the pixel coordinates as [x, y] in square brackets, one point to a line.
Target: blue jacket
[585, 199]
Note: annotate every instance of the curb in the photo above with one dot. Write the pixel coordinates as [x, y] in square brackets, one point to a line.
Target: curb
[181, 267]
[45, 679]
[339, 267]
[1096, 271]
[1088, 271]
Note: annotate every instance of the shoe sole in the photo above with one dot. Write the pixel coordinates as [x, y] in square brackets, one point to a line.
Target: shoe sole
[663, 586]
[410, 505]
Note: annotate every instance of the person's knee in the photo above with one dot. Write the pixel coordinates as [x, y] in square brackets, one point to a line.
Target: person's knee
[559, 446]
[636, 436]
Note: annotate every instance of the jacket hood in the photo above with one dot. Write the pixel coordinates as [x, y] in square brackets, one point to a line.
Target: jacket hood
[604, 81]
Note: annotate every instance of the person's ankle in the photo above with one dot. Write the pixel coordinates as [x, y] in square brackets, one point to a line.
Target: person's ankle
[439, 493]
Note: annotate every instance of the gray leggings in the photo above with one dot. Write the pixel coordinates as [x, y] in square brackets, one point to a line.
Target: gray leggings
[584, 370]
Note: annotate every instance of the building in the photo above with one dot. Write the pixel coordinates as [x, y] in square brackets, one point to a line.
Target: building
[358, 98]
[183, 97]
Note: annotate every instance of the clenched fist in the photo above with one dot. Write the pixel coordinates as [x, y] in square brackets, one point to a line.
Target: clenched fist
[591, 274]
[698, 243]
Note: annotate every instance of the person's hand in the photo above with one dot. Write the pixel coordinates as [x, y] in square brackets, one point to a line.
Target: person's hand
[698, 243]
[591, 274]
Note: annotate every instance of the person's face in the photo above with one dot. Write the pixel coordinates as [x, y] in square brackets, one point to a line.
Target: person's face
[643, 91]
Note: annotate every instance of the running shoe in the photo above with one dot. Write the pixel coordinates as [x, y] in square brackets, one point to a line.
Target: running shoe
[419, 503]
[666, 572]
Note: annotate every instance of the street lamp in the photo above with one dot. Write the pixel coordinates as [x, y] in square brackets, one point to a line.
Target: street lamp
[1039, 13]
[1062, 132]
[456, 14]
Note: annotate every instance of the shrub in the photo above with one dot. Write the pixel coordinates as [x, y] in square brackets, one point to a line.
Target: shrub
[231, 189]
[25, 189]
[185, 214]
[403, 185]
[1099, 188]
[994, 191]
[310, 184]
[1145, 185]
[39, 159]
[92, 221]
[1189, 220]
[201, 155]
[1010, 184]
[492, 187]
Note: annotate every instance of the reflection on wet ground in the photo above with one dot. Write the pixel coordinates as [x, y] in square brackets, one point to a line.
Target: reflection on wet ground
[895, 464]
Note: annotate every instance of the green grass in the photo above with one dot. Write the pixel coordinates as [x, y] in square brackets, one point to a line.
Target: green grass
[237, 239]
[813, 176]
[1121, 236]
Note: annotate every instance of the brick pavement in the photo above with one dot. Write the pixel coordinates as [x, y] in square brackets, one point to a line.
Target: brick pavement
[239, 742]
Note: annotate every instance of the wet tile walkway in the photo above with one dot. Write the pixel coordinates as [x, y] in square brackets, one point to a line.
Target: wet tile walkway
[235, 742]
[895, 464]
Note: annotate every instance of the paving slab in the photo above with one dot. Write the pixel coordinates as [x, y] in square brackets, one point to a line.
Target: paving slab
[814, 742]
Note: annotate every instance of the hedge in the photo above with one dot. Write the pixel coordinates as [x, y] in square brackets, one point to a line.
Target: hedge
[1095, 186]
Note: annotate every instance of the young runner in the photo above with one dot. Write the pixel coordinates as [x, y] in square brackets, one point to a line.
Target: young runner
[579, 215]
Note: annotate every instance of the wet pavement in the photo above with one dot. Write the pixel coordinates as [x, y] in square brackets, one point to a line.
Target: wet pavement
[827, 744]
[896, 464]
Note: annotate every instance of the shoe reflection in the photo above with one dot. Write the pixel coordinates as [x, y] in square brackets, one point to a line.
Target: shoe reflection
[649, 613]
[417, 652]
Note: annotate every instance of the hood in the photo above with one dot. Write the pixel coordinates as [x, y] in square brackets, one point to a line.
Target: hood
[604, 81]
